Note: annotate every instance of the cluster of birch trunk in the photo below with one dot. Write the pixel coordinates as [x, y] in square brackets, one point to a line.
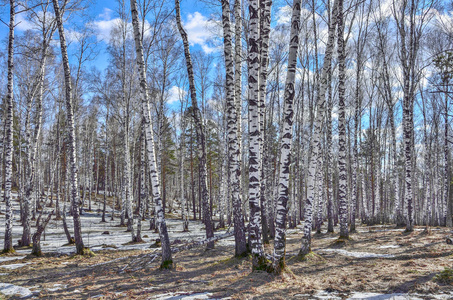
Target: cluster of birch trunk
[334, 113]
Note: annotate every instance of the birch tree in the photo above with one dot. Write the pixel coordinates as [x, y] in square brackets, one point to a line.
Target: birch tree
[232, 137]
[255, 241]
[167, 261]
[265, 29]
[315, 159]
[8, 136]
[71, 137]
[201, 139]
[410, 25]
[286, 132]
[342, 172]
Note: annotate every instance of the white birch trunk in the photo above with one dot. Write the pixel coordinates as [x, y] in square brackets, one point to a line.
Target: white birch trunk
[8, 138]
[233, 135]
[201, 139]
[71, 138]
[265, 20]
[154, 174]
[287, 137]
[315, 159]
[184, 213]
[342, 171]
[255, 232]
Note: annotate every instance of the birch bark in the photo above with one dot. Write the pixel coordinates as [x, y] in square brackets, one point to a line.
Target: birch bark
[265, 20]
[255, 241]
[167, 261]
[233, 142]
[201, 139]
[315, 159]
[8, 138]
[287, 137]
[71, 138]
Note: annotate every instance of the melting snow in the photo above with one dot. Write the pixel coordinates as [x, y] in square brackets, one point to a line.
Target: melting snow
[389, 246]
[358, 254]
[57, 286]
[9, 289]
[14, 266]
[8, 258]
[372, 296]
[182, 296]
[327, 295]
[54, 239]
[376, 296]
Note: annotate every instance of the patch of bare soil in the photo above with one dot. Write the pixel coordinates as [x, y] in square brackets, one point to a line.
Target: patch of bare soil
[408, 264]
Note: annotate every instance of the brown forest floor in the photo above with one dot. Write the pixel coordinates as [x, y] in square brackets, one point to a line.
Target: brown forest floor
[417, 259]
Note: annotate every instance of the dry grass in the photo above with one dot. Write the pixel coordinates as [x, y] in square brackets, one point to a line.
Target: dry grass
[418, 266]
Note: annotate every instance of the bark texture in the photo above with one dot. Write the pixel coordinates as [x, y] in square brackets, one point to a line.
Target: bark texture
[287, 137]
[201, 138]
[8, 138]
[167, 261]
[71, 137]
[232, 135]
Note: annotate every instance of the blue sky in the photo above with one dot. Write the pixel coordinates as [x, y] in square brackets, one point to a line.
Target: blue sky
[195, 17]
[103, 17]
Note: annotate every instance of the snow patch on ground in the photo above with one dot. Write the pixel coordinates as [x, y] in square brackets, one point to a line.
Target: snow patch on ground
[9, 289]
[321, 295]
[8, 258]
[183, 296]
[326, 295]
[358, 254]
[389, 246]
[14, 266]
[56, 287]
[376, 296]
[104, 236]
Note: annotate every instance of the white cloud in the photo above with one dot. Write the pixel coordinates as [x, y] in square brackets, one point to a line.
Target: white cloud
[284, 14]
[175, 93]
[73, 36]
[22, 23]
[201, 31]
[106, 14]
[103, 28]
[104, 25]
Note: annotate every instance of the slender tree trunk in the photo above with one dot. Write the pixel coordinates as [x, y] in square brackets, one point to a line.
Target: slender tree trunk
[256, 244]
[342, 172]
[167, 261]
[31, 147]
[233, 143]
[184, 212]
[71, 138]
[329, 164]
[315, 159]
[201, 139]
[287, 137]
[37, 235]
[106, 175]
[447, 205]
[142, 185]
[8, 138]
[265, 21]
